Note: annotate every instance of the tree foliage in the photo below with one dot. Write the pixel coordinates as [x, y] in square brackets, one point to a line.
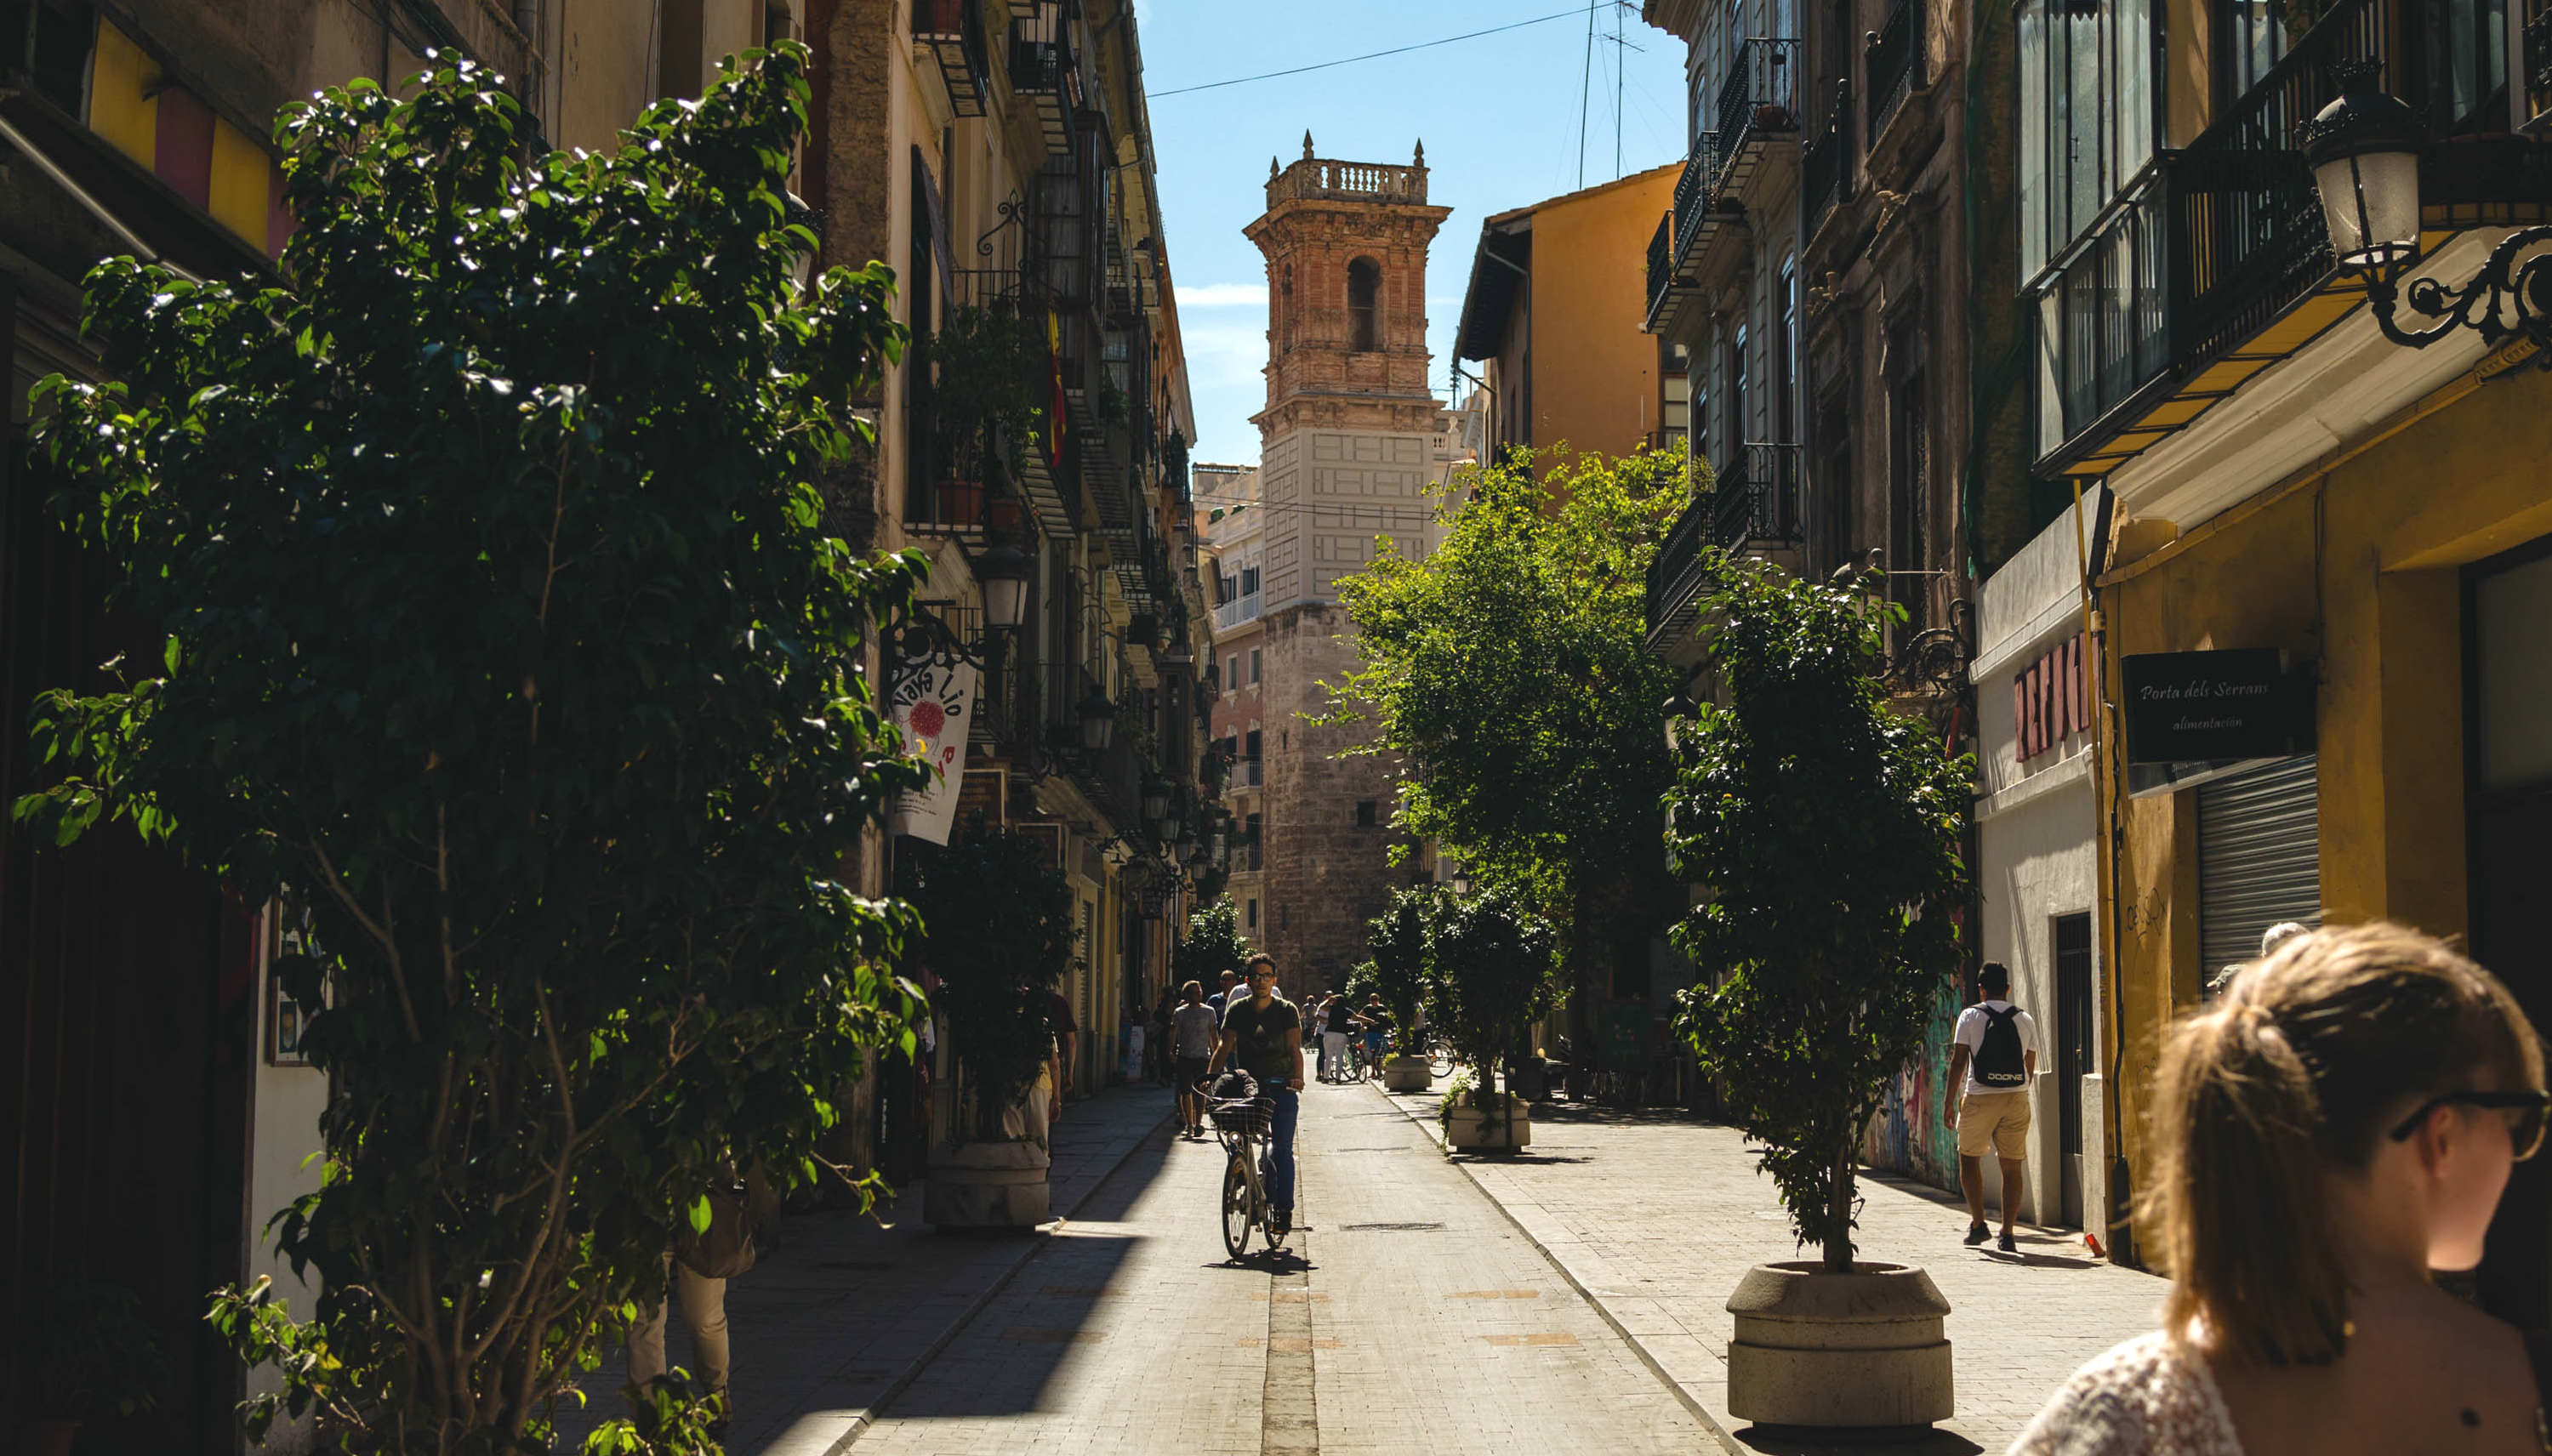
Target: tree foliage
[1495, 972]
[499, 628]
[1509, 671]
[1397, 967]
[1213, 945]
[1826, 828]
[998, 932]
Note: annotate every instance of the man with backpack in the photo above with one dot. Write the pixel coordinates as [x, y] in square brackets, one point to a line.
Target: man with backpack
[1992, 1055]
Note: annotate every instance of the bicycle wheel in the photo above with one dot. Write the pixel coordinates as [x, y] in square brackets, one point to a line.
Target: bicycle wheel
[1238, 1211]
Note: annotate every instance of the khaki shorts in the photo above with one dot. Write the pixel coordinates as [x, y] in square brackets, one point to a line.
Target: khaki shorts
[1995, 1120]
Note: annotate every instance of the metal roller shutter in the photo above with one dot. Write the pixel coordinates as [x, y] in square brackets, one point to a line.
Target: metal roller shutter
[2259, 858]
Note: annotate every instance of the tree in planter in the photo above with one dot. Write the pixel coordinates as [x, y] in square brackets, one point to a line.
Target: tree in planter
[1826, 828]
[1213, 945]
[1401, 973]
[498, 624]
[996, 930]
[1494, 965]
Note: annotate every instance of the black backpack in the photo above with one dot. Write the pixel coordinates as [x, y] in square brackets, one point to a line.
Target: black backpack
[1999, 1056]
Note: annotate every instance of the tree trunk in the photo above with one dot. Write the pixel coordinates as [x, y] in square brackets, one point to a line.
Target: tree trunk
[1839, 1209]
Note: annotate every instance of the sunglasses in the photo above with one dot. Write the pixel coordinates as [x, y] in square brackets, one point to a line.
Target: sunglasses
[2524, 1130]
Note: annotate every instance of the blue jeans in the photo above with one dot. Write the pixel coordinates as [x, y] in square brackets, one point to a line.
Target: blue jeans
[1280, 1151]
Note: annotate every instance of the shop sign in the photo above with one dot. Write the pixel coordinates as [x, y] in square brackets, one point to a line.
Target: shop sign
[2215, 707]
[933, 704]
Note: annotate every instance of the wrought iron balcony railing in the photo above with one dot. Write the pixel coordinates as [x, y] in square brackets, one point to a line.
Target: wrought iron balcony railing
[1694, 191]
[1661, 263]
[952, 31]
[1758, 98]
[1822, 164]
[1674, 573]
[1756, 500]
[2201, 250]
[1892, 65]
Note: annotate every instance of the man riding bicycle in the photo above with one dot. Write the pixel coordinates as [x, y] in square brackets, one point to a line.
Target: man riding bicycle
[1262, 1035]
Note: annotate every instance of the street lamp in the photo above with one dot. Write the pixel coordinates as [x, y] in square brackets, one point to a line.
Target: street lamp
[1097, 722]
[2364, 149]
[1004, 573]
[1156, 798]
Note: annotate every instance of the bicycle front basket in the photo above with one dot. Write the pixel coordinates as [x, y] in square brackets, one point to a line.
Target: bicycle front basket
[1248, 1116]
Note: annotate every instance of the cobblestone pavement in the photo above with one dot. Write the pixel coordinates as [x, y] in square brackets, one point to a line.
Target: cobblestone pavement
[1417, 1316]
[1656, 1217]
[847, 1309]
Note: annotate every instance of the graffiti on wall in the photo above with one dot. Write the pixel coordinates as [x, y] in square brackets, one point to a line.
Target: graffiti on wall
[1908, 1135]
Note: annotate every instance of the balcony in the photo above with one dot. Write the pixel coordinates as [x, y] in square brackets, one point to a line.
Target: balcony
[1676, 575]
[1823, 165]
[1249, 773]
[1695, 219]
[951, 34]
[1758, 111]
[1043, 70]
[1756, 501]
[2174, 290]
[1892, 67]
[1239, 611]
[1315, 178]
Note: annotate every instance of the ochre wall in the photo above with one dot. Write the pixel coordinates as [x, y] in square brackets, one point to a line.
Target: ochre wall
[1594, 373]
[2353, 566]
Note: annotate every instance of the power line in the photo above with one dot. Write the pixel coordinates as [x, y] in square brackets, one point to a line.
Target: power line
[1369, 56]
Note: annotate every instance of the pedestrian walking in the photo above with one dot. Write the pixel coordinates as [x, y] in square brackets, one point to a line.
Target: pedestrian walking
[1192, 1028]
[695, 1272]
[1377, 1035]
[1067, 1032]
[1992, 1055]
[1337, 1019]
[2337, 1126]
[1221, 1000]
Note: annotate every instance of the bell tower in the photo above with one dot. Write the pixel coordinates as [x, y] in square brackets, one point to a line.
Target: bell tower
[1347, 449]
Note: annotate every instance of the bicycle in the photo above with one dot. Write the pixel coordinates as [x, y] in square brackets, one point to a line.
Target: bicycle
[1242, 1129]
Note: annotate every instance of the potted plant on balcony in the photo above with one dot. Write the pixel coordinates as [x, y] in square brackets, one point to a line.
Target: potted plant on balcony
[93, 1356]
[1495, 974]
[996, 930]
[984, 367]
[1400, 973]
[1826, 828]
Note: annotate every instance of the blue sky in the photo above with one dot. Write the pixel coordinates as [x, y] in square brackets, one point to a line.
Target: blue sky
[1499, 115]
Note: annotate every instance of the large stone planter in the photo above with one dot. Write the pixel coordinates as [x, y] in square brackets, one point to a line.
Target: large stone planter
[986, 1186]
[1467, 1129]
[1406, 1073]
[1862, 1349]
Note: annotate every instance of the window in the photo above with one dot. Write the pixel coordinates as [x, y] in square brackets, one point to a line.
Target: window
[1256, 739]
[1364, 289]
[1908, 501]
[774, 23]
[1254, 665]
[1253, 915]
[678, 25]
[1738, 427]
[1367, 813]
[1250, 580]
[2088, 115]
[1231, 672]
[1786, 368]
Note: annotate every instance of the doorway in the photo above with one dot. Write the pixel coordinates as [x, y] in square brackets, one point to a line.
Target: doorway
[2072, 938]
[2508, 819]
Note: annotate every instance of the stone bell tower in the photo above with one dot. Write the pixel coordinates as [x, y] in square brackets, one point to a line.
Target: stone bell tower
[1344, 449]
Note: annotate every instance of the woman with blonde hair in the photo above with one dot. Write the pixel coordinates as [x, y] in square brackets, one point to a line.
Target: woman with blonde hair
[2340, 1123]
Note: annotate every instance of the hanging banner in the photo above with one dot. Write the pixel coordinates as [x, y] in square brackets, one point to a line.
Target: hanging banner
[931, 704]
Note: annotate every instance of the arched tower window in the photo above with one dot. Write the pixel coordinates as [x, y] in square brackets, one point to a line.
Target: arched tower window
[1365, 292]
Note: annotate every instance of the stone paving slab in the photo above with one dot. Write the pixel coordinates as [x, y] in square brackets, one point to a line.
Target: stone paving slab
[1656, 1218]
[849, 1308]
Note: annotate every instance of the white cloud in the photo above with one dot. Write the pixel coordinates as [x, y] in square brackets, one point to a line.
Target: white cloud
[1222, 295]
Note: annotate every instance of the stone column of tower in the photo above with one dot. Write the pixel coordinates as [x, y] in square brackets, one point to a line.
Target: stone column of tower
[1345, 445]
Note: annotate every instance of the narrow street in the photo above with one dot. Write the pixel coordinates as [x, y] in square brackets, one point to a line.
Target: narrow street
[1415, 1319]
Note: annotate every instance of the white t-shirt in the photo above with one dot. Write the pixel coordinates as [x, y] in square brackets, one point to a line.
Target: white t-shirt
[1972, 1035]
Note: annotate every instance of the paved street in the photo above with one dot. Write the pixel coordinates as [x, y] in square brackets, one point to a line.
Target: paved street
[1658, 1218]
[1417, 1320]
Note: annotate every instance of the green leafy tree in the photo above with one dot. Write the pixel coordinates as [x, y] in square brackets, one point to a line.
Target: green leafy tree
[998, 932]
[1495, 965]
[1213, 945]
[1826, 828]
[1398, 969]
[1509, 671]
[499, 627]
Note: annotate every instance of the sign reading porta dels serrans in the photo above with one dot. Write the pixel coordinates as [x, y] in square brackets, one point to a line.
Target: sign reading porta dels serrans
[933, 704]
[2200, 706]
